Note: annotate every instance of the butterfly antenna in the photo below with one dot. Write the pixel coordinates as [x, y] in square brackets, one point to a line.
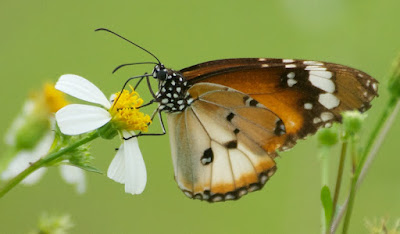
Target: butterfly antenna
[128, 64]
[116, 34]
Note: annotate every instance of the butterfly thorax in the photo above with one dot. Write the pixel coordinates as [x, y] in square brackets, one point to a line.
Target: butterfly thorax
[172, 94]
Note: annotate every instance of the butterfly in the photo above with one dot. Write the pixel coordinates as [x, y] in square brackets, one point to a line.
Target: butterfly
[228, 118]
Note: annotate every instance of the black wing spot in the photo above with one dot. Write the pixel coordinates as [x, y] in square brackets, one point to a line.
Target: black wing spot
[279, 128]
[230, 116]
[231, 145]
[236, 131]
[208, 157]
[253, 102]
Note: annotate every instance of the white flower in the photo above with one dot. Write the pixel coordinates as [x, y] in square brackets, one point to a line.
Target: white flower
[128, 166]
[38, 108]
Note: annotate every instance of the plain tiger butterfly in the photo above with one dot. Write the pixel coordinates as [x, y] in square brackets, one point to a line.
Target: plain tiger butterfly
[228, 118]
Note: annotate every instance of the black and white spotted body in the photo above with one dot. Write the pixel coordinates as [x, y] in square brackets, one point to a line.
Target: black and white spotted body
[172, 95]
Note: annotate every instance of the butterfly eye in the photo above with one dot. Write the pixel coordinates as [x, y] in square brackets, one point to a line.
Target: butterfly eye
[160, 72]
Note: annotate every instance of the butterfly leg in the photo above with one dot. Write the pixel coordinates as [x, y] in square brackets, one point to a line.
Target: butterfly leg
[150, 89]
[127, 81]
[153, 115]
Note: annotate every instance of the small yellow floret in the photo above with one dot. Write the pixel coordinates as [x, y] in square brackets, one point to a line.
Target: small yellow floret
[125, 114]
[53, 98]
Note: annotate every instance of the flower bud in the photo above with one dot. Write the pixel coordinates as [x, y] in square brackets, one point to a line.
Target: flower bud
[352, 123]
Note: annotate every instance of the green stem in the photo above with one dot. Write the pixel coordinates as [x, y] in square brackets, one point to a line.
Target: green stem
[324, 180]
[382, 120]
[339, 178]
[352, 188]
[44, 161]
[371, 155]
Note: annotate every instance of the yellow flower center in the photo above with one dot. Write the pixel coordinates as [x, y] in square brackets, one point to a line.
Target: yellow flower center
[125, 114]
[53, 98]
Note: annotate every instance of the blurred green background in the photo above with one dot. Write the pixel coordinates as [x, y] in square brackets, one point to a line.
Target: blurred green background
[41, 40]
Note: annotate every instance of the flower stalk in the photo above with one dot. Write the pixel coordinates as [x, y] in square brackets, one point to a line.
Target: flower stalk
[45, 161]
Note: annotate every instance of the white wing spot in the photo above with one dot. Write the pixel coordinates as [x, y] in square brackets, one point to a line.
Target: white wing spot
[322, 83]
[312, 63]
[291, 82]
[326, 116]
[290, 66]
[188, 194]
[315, 68]
[263, 179]
[287, 60]
[328, 100]
[316, 120]
[165, 100]
[262, 59]
[229, 197]
[264, 65]
[284, 148]
[291, 75]
[375, 87]
[328, 125]
[323, 74]
[308, 106]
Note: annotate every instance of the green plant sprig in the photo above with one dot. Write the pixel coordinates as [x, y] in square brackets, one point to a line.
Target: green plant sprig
[54, 156]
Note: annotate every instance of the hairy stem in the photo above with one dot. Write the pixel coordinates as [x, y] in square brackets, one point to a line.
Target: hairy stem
[376, 140]
[352, 187]
[324, 156]
[339, 178]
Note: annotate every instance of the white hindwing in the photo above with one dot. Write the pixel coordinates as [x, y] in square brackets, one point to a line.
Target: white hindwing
[217, 143]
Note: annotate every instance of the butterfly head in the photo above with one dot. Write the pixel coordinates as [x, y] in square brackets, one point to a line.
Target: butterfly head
[160, 72]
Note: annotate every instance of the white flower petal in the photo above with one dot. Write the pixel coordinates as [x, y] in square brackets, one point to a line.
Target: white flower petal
[18, 122]
[135, 169]
[19, 163]
[116, 170]
[24, 158]
[34, 177]
[74, 175]
[81, 88]
[76, 119]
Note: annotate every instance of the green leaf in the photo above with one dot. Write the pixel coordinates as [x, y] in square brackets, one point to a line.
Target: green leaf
[90, 169]
[86, 168]
[327, 203]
